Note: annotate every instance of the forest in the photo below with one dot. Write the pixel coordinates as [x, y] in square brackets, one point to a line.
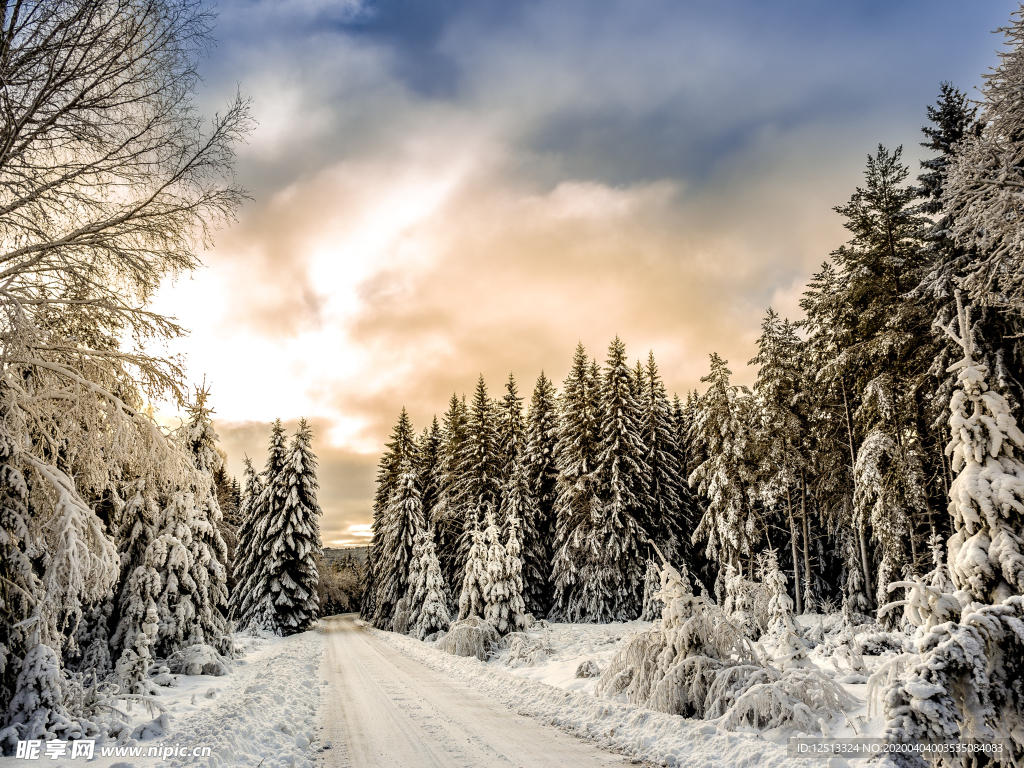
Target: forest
[872, 470]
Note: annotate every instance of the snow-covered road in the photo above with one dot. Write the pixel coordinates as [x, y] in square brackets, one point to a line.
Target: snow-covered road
[384, 709]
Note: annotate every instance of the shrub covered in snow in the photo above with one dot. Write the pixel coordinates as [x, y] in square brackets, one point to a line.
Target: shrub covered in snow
[471, 636]
[697, 662]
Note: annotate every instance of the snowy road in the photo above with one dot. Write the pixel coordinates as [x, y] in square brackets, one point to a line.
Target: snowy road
[384, 709]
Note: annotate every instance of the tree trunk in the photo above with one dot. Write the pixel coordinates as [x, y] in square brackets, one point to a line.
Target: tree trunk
[807, 552]
[796, 558]
[864, 561]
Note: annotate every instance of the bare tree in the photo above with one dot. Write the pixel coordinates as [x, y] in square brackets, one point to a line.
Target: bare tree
[110, 182]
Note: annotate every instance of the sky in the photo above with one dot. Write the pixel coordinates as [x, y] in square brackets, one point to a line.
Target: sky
[444, 189]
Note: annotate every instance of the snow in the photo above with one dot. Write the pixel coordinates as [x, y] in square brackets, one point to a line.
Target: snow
[536, 675]
[260, 714]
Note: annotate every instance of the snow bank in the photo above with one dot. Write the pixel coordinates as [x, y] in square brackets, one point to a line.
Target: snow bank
[260, 714]
[666, 739]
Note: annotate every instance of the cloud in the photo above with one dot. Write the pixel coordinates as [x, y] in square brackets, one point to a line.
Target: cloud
[446, 188]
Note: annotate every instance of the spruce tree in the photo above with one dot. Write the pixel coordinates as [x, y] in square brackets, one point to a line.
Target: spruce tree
[984, 186]
[481, 475]
[986, 551]
[517, 502]
[670, 526]
[431, 593]
[780, 431]
[448, 514]
[481, 480]
[209, 552]
[542, 476]
[503, 582]
[511, 427]
[254, 608]
[720, 435]
[953, 120]
[401, 521]
[401, 448]
[622, 477]
[292, 539]
[576, 566]
[428, 467]
[246, 565]
[474, 580]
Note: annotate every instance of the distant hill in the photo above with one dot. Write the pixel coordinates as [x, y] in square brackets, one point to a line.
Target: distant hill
[333, 554]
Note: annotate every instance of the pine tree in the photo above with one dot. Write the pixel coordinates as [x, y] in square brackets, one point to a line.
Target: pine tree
[780, 431]
[503, 582]
[965, 684]
[402, 520]
[209, 552]
[291, 541]
[431, 594]
[953, 119]
[416, 591]
[986, 551]
[542, 476]
[448, 514]
[511, 427]
[575, 564]
[138, 528]
[984, 182]
[481, 479]
[518, 503]
[401, 448]
[652, 605]
[428, 466]
[622, 485]
[246, 565]
[255, 610]
[670, 527]
[481, 472]
[474, 581]
[720, 437]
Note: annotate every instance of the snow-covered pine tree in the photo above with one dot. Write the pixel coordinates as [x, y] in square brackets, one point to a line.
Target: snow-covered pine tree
[429, 450]
[254, 608]
[986, 551]
[997, 334]
[872, 346]
[720, 436]
[401, 521]
[670, 526]
[511, 427]
[246, 565]
[291, 540]
[474, 581]
[575, 564]
[514, 573]
[417, 589]
[481, 472]
[966, 685]
[652, 606]
[401, 448]
[518, 503]
[138, 527]
[984, 186]
[432, 615]
[623, 480]
[448, 514]
[542, 476]
[503, 582]
[780, 431]
[209, 553]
